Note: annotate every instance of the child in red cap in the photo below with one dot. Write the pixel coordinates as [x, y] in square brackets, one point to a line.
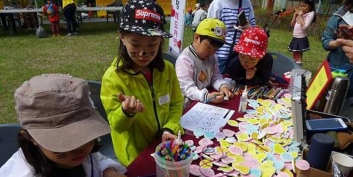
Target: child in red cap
[253, 65]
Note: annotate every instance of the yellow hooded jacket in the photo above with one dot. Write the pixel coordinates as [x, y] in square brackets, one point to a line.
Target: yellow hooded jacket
[162, 102]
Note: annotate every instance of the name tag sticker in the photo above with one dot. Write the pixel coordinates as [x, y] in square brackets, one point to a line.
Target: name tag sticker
[164, 99]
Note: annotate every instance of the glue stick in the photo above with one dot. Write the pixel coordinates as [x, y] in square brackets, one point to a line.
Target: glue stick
[243, 101]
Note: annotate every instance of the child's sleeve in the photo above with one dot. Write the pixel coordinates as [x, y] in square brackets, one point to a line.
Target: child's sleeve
[308, 19]
[214, 10]
[328, 34]
[176, 104]
[111, 87]
[185, 73]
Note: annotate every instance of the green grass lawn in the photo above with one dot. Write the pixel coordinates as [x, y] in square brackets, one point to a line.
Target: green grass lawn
[87, 56]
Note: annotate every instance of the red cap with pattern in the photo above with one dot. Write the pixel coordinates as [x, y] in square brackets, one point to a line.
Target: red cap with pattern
[253, 42]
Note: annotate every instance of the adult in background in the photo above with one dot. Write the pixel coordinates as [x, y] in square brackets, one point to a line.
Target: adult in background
[227, 11]
[337, 57]
[200, 14]
[10, 16]
[69, 10]
[347, 44]
[28, 18]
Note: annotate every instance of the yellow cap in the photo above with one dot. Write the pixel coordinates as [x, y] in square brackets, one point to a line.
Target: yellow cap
[212, 28]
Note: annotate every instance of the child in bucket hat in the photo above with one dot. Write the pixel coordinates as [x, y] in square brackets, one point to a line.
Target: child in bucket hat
[197, 66]
[252, 65]
[60, 128]
[140, 91]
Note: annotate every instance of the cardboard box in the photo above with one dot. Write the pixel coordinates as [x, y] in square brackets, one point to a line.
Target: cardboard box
[313, 172]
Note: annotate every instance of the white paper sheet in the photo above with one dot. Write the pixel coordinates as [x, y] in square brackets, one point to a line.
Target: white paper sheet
[205, 118]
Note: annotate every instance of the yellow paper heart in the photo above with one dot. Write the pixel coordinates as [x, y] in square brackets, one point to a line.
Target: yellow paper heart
[226, 169]
[263, 149]
[267, 173]
[233, 123]
[223, 150]
[287, 123]
[251, 147]
[224, 143]
[260, 110]
[242, 119]
[274, 139]
[253, 121]
[260, 157]
[242, 137]
[238, 159]
[266, 165]
[288, 172]
[266, 103]
[287, 141]
[241, 168]
[294, 154]
[264, 125]
[254, 135]
[205, 163]
[262, 121]
[242, 145]
[278, 149]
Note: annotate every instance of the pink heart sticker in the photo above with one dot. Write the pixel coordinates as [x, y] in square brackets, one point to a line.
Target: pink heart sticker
[235, 150]
[228, 133]
[199, 149]
[205, 142]
[302, 165]
[195, 170]
[288, 166]
[207, 172]
[227, 160]
[282, 174]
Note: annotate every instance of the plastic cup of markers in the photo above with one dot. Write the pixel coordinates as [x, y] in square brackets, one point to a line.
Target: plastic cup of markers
[171, 168]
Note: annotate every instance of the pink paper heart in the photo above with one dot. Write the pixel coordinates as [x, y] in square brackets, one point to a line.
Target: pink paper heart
[228, 133]
[195, 170]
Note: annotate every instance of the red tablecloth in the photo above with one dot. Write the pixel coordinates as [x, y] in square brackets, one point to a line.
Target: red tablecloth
[145, 165]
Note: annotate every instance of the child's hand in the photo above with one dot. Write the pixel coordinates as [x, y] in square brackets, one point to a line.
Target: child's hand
[246, 26]
[111, 172]
[225, 91]
[217, 97]
[130, 105]
[345, 32]
[166, 136]
[250, 73]
[272, 82]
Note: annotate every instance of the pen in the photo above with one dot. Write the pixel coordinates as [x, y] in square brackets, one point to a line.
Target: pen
[208, 100]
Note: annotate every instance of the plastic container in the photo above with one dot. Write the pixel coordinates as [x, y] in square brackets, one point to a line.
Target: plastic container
[166, 168]
[243, 101]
